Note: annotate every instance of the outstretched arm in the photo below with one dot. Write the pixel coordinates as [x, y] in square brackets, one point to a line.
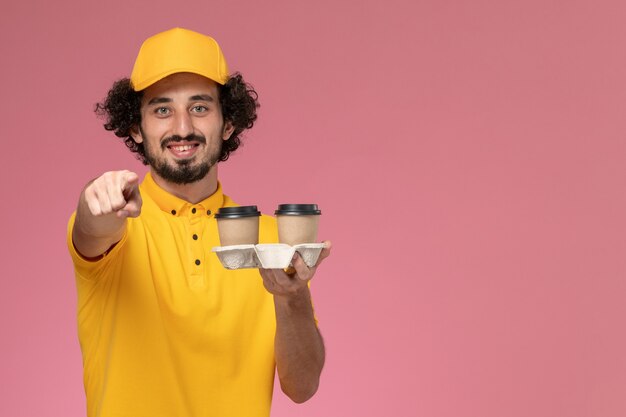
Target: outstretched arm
[103, 207]
[299, 348]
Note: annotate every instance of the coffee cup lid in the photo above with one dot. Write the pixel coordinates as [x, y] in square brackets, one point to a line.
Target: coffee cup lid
[297, 209]
[237, 212]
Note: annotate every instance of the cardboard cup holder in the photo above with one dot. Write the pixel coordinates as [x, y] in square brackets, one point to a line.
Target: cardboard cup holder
[236, 256]
[267, 255]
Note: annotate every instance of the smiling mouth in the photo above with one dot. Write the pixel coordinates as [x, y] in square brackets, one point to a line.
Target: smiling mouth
[183, 151]
[182, 148]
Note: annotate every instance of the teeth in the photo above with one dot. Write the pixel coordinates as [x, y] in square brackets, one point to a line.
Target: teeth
[182, 148]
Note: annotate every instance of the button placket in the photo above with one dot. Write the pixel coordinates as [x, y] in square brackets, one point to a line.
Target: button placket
[197, 254]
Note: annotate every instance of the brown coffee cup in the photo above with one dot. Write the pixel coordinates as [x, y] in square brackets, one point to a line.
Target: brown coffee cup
[238, 225]
[297, 223]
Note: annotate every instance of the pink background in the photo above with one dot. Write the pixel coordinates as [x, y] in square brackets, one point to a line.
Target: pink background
[468, 158]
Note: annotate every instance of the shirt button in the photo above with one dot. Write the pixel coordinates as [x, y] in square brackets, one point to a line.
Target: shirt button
[197, 261]
[193, 210]
[174, 212]
[208, 212]
[195, 236]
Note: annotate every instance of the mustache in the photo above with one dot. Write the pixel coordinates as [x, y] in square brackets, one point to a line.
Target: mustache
[189, 138]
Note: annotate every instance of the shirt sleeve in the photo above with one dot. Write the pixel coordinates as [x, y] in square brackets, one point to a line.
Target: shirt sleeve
[92, 270]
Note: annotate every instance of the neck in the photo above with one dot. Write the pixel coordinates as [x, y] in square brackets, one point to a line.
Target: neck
[194, 192]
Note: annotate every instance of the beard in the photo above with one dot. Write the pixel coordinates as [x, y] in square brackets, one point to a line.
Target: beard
[184, 171]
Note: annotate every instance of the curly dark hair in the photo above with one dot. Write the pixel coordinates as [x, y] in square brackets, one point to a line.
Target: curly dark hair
[121, 110]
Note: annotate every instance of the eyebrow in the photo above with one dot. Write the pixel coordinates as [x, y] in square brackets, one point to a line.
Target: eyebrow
[160, 100]
[204, 97]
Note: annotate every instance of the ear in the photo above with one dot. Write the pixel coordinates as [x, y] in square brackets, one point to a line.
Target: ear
[228, 130]
[135, 133]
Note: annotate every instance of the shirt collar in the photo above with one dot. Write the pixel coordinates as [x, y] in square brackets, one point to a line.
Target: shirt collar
[177, 206]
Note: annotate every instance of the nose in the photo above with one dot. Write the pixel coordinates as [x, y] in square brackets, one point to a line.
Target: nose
[183, 125]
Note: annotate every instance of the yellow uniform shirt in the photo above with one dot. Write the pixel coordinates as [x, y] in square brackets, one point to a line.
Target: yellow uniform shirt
[164, 329]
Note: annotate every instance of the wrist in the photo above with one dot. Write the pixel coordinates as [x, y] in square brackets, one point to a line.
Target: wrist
[297, 301]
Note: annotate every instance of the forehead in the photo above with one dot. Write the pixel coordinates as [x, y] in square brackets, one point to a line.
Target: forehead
[181, 86]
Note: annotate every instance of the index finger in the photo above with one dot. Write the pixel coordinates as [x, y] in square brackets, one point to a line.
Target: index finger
[129, 179]
[325, 252]
[303, 272]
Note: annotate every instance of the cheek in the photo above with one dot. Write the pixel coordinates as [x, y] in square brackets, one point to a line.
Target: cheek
[153, 130]
[212, 130]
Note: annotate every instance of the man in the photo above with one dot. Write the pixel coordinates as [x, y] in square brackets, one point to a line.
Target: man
[164, 329]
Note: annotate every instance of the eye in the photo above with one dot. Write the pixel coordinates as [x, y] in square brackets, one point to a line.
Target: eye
[162, 111]
[199, 109]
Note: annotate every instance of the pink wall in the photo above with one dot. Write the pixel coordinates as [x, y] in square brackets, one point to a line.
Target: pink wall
[468, 158]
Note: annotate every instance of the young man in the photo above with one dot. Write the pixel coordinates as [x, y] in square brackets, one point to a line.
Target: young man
[164, 329]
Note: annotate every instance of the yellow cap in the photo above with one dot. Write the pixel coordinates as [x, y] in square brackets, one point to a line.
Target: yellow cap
[178, 50]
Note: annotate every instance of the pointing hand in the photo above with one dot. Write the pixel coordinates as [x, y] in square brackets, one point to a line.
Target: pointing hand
[114, 192]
